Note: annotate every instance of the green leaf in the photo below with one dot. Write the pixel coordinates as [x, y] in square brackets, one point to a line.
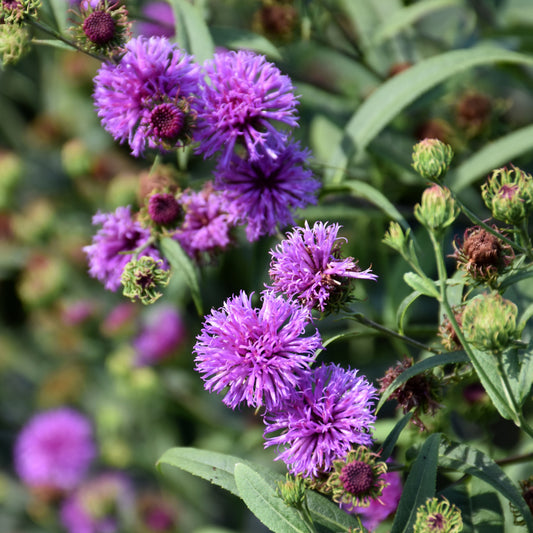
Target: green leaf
[392, 437]
[360, 189]
[419, 486]
[181, 262]
[406, 17]
[261, 498]
[54, 43]
[426, 364]
[403, 308]
[422, 285]
[492, 156]
[192, 33]
[239, 39]
[329, 514]
[393, 96]
[468, 460]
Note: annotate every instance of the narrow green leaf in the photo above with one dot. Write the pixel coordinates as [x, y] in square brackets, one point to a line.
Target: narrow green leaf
[463, 458]
[525, 377]
[431, 362]
[387, 101]
[329, 514]
[360, 189]
[54, 43]
[239, 39]
[261, 498]
[403, 308]
[493, 155]
[392, 437]
[192, 33]
[419, 486]
[422, 285]
[181, 262]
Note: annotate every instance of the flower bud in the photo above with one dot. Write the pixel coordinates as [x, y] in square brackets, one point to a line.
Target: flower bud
[489, 322]
[396, 238]
[509, 194]
[436, 516]
[14, 43]
[142, 277]
[16, 11]
[292, 490]
[437, 209]
[432, 158]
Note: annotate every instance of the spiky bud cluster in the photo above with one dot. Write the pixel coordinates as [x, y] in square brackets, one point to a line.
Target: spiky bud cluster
[14, 43]
[508, 193]
[437, 209]
[489, 322]
[142, 278]
[438, 516]
[292, 490]
[17, 11]
[432, 158]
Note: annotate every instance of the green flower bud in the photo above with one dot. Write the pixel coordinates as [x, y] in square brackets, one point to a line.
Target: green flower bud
[396, 238]
[432, 158]
[438, 517]
[509, 194]
[292, 490]
[489, 322]
[14, 43]
[437, 209]
[141, 279]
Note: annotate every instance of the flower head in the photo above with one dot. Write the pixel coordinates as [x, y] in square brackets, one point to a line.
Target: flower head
[437, 209]
[268, 190]
[257, 354]
[209, 218]
[163, 208]
[329, 412]
[146, 98]
[142, 279]
[55, 449]
[432, 158]
[98, 505]
[159, 20]
[119, 233]
[243, 95]
[438, 517]
[162, 334]
[307, 266]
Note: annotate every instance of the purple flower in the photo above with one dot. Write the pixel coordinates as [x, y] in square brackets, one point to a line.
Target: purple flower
[55, 449]
[257, 355]
[145, 99]
[244, 94]
[98, 505]
[119, 233]
[161, 335]
[331, 410]
[209, 219]
[160, 21]
[307, 266]
[380, 509]
[268, 190]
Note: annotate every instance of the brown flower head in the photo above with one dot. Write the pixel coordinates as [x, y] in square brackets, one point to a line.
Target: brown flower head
[448, 336]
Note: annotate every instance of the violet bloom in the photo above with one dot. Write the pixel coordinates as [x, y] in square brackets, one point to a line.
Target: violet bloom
[256, 355]
[160, 21]
[99, 505]
[331, 410]
[119, 233]
[244, 94]
[145, 99]
[209, 218]
[307, 266]
[268, 190]
[380, 509]
[161, 335]
[55, 449]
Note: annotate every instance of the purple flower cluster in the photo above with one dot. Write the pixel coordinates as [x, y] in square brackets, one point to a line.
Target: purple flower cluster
[55, 449]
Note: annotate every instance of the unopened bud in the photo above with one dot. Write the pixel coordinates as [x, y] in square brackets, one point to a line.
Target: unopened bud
[292, 490]
[437, 209]
[432, 158]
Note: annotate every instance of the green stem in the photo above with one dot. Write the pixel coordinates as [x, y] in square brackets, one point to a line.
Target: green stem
[374, 325]
[525, 239]
[305, 515]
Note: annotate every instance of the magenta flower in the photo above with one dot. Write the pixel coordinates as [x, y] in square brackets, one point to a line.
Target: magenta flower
[255, 355]
[162, 334]
[242, 98]
[160, 21]
[55, 449]
[267, 191]
[209, 218]
[119, 233]
[329, 412]
[145, 99]
[307, 266]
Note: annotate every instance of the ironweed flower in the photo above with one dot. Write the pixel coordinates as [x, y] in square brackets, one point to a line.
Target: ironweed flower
[307, 266]
[267, 191]
[244, 94]
[256, 354]
[119, 233]
[159, 20]
[329, 412]
[438, 517]
[55, 449]
[146, 98]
